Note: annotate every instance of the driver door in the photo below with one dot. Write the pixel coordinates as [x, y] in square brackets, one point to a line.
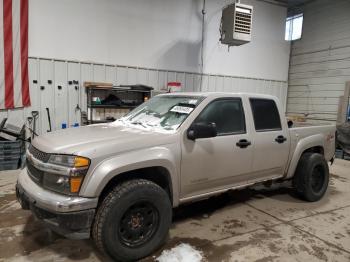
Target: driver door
[217, 162]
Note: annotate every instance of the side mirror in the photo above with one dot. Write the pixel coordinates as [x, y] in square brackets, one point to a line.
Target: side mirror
[201, 130]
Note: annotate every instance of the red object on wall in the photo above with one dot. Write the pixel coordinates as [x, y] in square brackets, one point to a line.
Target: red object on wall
[174, 87]
[14, 83]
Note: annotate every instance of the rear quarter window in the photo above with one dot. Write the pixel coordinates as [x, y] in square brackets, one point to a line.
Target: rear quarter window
[265, 114]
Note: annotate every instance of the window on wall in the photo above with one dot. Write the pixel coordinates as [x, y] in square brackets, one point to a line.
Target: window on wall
[294, 27]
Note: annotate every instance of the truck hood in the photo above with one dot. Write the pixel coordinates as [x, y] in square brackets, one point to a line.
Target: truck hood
[102, 139]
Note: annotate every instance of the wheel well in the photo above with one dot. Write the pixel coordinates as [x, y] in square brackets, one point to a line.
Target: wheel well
[315, 149]
[157, 174]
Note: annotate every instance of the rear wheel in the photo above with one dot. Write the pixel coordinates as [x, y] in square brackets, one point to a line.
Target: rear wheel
[311, 177]
[133, 220]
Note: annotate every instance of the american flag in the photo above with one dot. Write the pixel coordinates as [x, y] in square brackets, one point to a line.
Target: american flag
[14, 83]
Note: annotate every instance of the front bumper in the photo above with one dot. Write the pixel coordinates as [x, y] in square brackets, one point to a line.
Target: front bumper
[66, 215]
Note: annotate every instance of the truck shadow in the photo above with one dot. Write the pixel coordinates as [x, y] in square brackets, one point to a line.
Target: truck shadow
[281, 192]
[39, 241]
[209, 206]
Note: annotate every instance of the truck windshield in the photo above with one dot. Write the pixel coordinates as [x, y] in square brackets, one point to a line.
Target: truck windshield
[162, 113]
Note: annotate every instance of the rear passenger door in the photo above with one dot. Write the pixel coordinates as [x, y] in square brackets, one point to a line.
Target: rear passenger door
[271, 146]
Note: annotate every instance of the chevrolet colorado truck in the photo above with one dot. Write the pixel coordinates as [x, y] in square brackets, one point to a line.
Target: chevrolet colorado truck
[118, 182]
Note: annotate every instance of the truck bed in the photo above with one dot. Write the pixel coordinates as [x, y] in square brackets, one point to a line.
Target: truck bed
[308, 124]
[302, 130]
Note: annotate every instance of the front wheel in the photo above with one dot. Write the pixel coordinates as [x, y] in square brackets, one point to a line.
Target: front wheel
[133, 220]
[311, 177]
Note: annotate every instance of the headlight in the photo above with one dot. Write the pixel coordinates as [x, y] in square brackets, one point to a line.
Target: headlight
[69, 161]
[57, 183]
[72, 179]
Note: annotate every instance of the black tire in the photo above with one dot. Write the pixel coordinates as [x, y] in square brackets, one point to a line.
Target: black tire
[133, 220]
[311, 177]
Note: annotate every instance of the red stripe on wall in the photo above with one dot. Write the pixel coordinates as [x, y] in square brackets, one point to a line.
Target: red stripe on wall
[24, 52]
[8, 54]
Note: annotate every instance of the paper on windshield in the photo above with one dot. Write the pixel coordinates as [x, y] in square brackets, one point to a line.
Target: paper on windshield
[182, 109]
[193, 101]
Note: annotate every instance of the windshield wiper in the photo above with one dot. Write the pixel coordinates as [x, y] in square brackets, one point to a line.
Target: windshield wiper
[139, 123]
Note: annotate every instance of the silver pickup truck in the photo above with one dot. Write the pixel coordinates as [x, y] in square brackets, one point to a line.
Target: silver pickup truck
[118, 182]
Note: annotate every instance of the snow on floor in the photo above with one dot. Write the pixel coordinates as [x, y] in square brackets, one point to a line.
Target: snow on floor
[181, 253]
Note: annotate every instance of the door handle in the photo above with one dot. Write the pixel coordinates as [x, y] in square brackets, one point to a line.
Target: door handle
[243, 143]
[280, 139]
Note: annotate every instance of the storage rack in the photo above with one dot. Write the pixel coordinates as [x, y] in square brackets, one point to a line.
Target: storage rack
[130, 96]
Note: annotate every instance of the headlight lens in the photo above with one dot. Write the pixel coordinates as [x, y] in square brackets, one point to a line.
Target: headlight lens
[62, 160]
[57, 183]
[69, 161]
[71, 182]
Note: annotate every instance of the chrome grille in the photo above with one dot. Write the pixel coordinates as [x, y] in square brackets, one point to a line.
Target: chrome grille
[35, 174]
[42, 156]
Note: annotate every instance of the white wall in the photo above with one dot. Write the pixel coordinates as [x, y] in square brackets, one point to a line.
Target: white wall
[162, 34]
[320, 61]
[103, 35]
[62, 101]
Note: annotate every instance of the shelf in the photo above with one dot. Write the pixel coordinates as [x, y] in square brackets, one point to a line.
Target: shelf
[89, 122]
[119, 90]
[127, 93]
[122, 88]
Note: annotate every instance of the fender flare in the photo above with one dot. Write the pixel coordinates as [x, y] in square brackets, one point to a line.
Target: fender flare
[112, 167]
[303, 145]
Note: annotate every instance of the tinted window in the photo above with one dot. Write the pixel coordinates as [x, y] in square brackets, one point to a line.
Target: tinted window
[227, 114]
[265, 113]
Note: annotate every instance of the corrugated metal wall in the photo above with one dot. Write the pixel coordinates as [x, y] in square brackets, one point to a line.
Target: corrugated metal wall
[320, 61]
[65, 91]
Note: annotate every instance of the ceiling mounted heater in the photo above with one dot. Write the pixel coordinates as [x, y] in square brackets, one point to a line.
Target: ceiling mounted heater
[236, 24]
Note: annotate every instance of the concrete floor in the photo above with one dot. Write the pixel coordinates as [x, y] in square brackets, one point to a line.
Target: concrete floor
[248, 225]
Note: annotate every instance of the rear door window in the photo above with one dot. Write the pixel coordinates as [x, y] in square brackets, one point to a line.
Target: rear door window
[265, 114]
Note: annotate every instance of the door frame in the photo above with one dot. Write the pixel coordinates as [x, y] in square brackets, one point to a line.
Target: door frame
[190, 120]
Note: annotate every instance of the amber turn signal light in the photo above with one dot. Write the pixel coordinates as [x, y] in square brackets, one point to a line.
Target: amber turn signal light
[81, 162]
[75, 183]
